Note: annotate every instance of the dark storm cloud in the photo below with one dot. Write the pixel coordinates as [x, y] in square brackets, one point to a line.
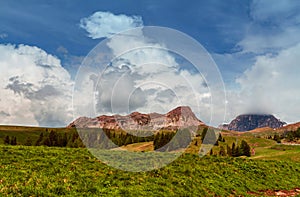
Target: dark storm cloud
[19, 87]
[27, 89]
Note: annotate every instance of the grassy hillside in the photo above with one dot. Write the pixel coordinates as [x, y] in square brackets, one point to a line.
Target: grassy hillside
[22, 132]
[49, 171]
[264, 148]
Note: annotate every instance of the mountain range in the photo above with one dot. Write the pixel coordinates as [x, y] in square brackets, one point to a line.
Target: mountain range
[181, 116]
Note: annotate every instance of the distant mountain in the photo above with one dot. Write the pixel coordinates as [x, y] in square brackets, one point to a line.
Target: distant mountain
[223, 126]
[247, 122]
[290, 127]
[179, 117]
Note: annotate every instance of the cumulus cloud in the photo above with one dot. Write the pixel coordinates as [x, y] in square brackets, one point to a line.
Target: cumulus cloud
[105, 24]
[143, 77]
[34, 88]
[270, 85]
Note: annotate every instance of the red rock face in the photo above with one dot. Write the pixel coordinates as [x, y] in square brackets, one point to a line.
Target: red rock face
[180, 117]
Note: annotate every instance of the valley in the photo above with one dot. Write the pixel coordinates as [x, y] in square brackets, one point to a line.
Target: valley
[249, 163]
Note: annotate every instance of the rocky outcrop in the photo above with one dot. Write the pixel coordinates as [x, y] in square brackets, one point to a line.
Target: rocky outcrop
[249, 122]
[223, 126]
[180, 117]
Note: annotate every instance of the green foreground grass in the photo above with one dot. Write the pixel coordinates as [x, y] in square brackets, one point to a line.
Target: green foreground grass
[50, 171]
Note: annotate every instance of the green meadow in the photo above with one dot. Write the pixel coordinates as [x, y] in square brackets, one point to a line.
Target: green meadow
[62, 171]
[52, 171]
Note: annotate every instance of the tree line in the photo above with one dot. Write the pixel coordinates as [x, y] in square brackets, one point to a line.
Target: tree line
[235, 150]
[52, 138]
[169, 141]
[10, 140]
[106, 139]
[289, 136]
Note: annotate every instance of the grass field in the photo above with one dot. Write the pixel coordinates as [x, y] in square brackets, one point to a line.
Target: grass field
[54, 171]
[50, 171]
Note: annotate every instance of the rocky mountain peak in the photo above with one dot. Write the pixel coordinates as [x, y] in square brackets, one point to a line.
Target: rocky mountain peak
[247, 122]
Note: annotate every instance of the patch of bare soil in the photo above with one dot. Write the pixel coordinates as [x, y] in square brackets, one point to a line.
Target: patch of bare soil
[292, 192]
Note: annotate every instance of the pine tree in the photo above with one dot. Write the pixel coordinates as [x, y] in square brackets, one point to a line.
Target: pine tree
[6, 140]
[203, 134]
[70, 143]
[246, 150]
[28, 142]
[39, 140]
[64, 140]
[13, 141]
[53, 138]
[196, 142]
[46, 142]
[233, 150]
[216, 143]
[78, 143]
[277, 138]
[128, 140]
[238, 151]
[220, 139]
[229, 151]
[222, 151]
[158, 141]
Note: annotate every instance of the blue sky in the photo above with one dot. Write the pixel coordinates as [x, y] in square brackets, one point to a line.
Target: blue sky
[217, 26]
[243, 37]
[50, 25]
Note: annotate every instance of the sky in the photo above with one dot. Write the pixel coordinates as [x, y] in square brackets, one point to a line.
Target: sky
[255, 45]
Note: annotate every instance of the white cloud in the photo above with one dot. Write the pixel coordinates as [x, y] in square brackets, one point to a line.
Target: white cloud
[275, 26]
[34, 88]
[271, 85]
[277, 12]
[146, 78]
[271, 41]
[105, 24]
[3, 35]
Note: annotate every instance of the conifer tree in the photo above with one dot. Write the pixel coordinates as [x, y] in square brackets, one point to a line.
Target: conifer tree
[245, 148]
[229, 151]
[233, 150]
[39, 140]
[46, 142]
[6, 140]
[28, 142]
[222, 151]
[13, 141]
